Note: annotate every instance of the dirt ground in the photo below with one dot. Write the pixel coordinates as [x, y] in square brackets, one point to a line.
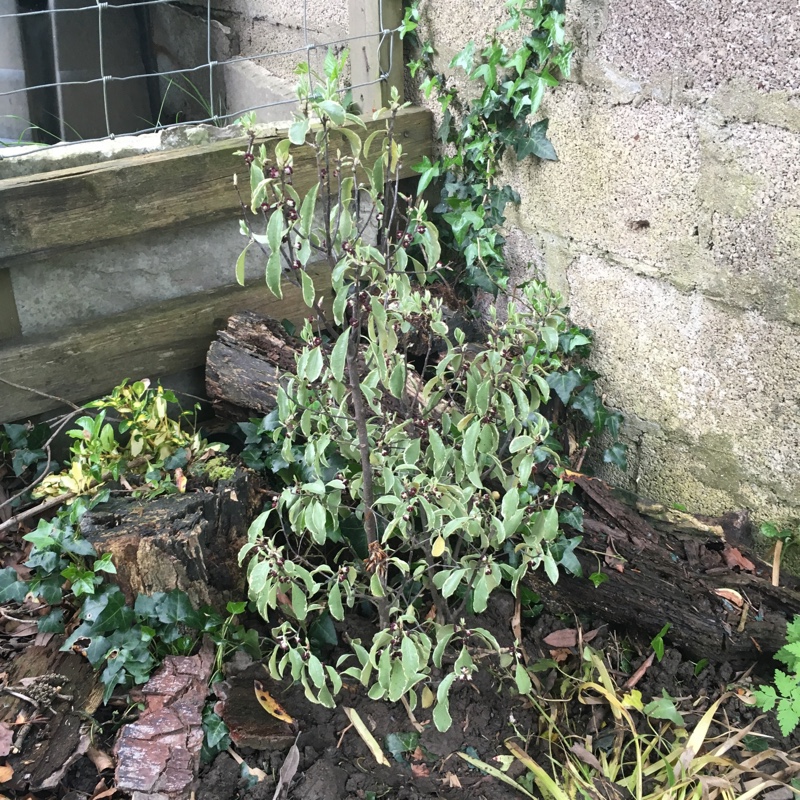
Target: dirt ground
[335, 764]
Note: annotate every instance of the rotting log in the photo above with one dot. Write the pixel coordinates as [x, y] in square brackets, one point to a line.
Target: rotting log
[674, 568]
[52, 211]
[51, 734]
[187, 541]
[247, 361]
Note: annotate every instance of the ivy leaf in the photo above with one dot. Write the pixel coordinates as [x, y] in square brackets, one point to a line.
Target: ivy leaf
[53, 622]
[536, 143]
[216, 731]
[564, 383]
[175, 607]
[587, 403]
[464, 59]
[616, 455]
[664, 708]
[12, 589]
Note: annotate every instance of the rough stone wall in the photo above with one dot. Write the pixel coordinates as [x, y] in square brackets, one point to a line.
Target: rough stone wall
[672, 225]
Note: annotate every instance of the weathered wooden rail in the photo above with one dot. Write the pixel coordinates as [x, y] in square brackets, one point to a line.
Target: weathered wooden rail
[47, 214]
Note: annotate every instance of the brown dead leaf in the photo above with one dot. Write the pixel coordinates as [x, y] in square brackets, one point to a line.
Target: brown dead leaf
[6, 773]
[560, 654]
[587, 757]
[734, 558]
[270, 704]
[564, 637]
[102, 790]
[420, 771]
[180, 480]
[6, 739]
[613, 561]
[418, 755]
[731, 595]
[102, 761]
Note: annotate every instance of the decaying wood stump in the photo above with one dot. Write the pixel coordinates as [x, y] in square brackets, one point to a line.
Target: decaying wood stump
[686, 570]
[50, 733]
[188, 541]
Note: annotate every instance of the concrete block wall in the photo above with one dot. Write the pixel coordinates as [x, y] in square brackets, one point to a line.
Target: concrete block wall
[672, 225]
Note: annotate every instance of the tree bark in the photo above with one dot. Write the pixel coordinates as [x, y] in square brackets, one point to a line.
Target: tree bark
[187, 541]
[247, 363]
[663, 566]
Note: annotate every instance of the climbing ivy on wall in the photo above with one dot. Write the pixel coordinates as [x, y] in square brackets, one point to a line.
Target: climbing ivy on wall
[507, 86]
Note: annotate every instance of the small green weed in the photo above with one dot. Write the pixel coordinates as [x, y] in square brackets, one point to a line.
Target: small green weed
[783, 695]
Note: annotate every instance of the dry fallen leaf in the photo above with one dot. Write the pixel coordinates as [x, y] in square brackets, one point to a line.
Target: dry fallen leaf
[6, 739]
[6, 773]
[101, 791]
[587, 757]
[560, 654]
[363, 731]
[734, 558]
[269, 704]
[257, 773]
[613, 561]
[731, 595]
[420, 771]
[102, 761]
[565, 637]
[180, 480]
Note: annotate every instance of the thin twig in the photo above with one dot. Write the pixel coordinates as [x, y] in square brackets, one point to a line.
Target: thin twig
[44, 506]
[40, 393]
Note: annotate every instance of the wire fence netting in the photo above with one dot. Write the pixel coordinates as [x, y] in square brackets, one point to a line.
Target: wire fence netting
[71, 70]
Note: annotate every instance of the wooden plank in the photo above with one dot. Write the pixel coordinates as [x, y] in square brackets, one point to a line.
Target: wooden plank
[49, 212]
[88, 361]
[9, 319]
[374, 54]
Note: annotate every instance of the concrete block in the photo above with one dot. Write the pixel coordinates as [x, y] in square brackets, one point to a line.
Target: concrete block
[180, 42]
[626, 183]
[712, 41]
[248, 85]
[750, 184]
[718, 384]
[14, 113]
[736, 101]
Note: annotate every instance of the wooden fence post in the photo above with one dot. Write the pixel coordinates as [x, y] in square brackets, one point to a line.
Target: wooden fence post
[375, 54]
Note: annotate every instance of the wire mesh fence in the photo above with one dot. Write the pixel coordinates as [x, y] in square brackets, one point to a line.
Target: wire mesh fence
[72, 70]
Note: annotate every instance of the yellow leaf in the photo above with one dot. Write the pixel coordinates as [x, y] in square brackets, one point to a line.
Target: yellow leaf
[180, 480]
[363, 731]
[427, 697]
[269, 704]
[633, 700]
[438, 547]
